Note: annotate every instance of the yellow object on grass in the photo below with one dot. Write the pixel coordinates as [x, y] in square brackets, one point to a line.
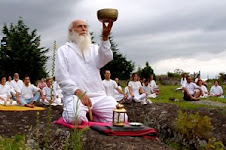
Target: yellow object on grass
[18, 108]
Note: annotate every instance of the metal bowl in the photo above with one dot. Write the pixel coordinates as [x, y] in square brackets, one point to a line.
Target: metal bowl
[105, 15]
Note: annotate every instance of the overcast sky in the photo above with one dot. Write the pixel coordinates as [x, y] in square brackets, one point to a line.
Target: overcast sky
[169, 34]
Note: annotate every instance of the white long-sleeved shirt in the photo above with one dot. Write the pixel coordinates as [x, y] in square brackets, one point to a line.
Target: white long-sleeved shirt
[74, 71]
[4, 91]
[183, 81]
[47, 92]
[17, 85]
[216, 90]
[109, 86]
[152, 84]
[27, 92]
[135, 87]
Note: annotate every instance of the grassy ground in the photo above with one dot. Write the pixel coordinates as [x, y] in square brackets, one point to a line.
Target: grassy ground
[167, 91]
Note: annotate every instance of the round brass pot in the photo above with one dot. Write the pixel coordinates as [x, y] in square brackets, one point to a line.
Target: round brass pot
[105, 15]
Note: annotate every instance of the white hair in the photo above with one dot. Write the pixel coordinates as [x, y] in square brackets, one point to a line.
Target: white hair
[83, 41]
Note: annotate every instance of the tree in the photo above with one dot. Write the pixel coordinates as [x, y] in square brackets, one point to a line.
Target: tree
[119, 66]
[147, 71]
[25, 55]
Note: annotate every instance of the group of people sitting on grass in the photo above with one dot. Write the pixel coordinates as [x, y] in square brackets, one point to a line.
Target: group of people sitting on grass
[16, 91]
[26, 94]
[135, 90]
[194, 91]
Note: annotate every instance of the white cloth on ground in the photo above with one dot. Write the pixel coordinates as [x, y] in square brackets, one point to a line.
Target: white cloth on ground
[74, 70]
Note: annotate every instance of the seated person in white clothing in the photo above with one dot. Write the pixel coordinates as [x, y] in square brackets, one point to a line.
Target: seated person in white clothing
[48, 98]
[16, 84]
[192, 92]
[182, 81]
[4, 91]
[153, 85]
[28, 94]
[205, 92]
[148, 89]
[216, 89]
[111, 85]
[9, 81]
[118, 96]
[135, 89]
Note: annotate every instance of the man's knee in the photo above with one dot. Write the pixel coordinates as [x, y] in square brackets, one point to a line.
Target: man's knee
[77, 118]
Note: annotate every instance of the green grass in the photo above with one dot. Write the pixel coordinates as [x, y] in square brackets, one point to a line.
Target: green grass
[167, 91]
[15, 143]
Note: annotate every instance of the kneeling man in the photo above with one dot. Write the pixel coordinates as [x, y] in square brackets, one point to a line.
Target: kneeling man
[192, 92]
[78, 64]
[28, 94]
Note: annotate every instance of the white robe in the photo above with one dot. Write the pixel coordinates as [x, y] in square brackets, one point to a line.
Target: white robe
[75, 71]
[16, 86]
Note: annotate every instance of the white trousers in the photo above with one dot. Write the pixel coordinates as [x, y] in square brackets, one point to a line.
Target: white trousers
[57, 101]
[118, 97]
[139, 98]
[102, 108]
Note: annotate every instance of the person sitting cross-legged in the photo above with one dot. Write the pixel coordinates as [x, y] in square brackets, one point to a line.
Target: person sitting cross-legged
[135, 89]
[4, 91]
[55, 100]
[216, 90]
[205, 92]
[148, 89]
[28, 94]
[192, 92]
[111, 85]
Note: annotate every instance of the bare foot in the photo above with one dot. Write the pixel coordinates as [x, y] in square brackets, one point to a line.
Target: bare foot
[29, 105]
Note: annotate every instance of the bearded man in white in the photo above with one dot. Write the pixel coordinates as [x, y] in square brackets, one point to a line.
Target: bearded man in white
[111, 85]
[16, 84]
[78, 64]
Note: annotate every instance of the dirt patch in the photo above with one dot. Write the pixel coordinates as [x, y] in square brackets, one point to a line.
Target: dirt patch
[24, 123]
[160, 116]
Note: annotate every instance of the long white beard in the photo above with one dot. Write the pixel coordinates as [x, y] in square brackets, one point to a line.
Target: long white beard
[83, 41]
